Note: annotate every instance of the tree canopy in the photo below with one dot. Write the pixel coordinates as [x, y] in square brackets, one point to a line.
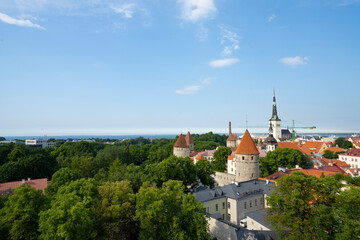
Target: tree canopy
[282, 157]
[220, 158]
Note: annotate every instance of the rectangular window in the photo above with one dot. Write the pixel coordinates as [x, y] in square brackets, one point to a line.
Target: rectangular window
[228, 205]
[216, 207]
[223, 216]
[261, 201]
[229, 217]
[223, 205]
[250, 204]
[208, 209]
[244, 205]
[255, 202]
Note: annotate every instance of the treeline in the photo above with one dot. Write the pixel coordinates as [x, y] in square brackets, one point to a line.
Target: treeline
[134, 189]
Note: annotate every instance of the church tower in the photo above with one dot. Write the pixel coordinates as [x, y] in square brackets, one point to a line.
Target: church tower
[231, 141]
[270, 141]
[190, 141]
[247, 159]
[275, 121]
[181, 148]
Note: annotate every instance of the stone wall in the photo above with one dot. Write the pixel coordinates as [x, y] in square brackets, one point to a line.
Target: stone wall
[247, 167]
[222, 178]
[181, 152]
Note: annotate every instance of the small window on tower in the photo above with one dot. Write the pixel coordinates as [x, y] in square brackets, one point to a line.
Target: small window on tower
[243, 158]
[252, 157]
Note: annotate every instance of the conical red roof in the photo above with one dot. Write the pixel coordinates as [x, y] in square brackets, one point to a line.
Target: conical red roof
[189, 138]
[181, 142]
[247, 145]
[232, 137]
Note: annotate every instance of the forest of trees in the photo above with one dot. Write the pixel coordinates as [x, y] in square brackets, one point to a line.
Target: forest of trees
[101, 191]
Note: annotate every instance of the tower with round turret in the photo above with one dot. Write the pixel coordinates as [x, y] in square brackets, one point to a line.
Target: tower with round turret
[231, 140]
[190, 141]
[275, 121]
[270, 141]
[247, 159]
[181, 148]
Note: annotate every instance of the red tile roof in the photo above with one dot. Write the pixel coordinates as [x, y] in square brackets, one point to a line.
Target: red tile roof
[355, 171]
[313, 172]
[38, 184]
[354, 138]
[181, 142]
[231, 158]
[247, 145]
[339, 163]
[232, 137]
[334, 149]
[352, 152]
[189, 138]
[288, 145]
[311, 146]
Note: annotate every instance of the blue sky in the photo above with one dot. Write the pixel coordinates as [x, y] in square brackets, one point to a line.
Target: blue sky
[156, 66]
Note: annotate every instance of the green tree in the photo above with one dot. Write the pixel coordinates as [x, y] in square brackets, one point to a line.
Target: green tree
[118, 210]
[20, 215]
[61, 178]
[18, 152]
[205, 145]
[301, 207]
[175, 168]
[347, 144]
[82, 165]
[339, 142]
[282, 157]
[5, 149]
[168, 213]
[347, 212]
[134, 174]
[204, 172]
[74, 212]
[106, 157]
[220, 159]
[330, 154]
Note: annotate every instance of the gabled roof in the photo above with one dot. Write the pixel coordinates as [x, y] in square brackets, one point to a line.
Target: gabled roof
[181, 142]
[334, 149]
[288, 145]
[232, 137]
[338, 163]
[352, 152]
[38, 184]
[189, 138]
[354, 138]
[312, 146]
[247, 145]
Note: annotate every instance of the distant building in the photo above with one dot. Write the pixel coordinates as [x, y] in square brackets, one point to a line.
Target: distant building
[43, 143]
[231, 141]
[270, 142]
[275, 121]
[38, 184]
[351, 157]
[181, 148]
[189, 141]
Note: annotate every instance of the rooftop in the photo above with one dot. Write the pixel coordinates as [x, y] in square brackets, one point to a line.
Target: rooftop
[181, 142]
[38, 184]
[247, 145]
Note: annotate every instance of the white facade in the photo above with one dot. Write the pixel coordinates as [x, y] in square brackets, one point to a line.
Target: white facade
[231, 166]
[276, 126]
[353, 161]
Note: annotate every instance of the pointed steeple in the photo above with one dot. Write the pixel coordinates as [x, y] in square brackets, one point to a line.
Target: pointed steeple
[181, 142]
[189, 138]
[247, 145]
[274, 110]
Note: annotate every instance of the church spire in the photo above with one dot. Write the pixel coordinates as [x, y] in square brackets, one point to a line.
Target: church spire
[274, 110]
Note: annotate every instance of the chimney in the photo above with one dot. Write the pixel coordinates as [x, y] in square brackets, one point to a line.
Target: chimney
[229, 128]
[316, 165]
[297, 166]
[29, 179]
[267, 181]
[23, 181]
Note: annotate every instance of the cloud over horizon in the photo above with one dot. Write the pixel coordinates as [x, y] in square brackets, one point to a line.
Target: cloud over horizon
[18, 22]
[188, 90]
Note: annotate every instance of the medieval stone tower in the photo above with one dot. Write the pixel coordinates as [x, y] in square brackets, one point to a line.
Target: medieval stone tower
[181, 148]
[275, 121]
[231, 141]
[190, 141]
[247, 159]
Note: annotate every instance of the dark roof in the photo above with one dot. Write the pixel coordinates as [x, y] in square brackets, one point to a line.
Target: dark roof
[243, 233]
[285, 131]
[38, 184]
[270, 140]
[274, 110]
[236, 191]
[259, 217]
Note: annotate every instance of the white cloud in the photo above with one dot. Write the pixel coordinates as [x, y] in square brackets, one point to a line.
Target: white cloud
[19, 22]
[188, 90]
[272, 17]
[127, 10]
[206, 81]
[294, 61]
[231, 40]
[194, 10]
[223, 62]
